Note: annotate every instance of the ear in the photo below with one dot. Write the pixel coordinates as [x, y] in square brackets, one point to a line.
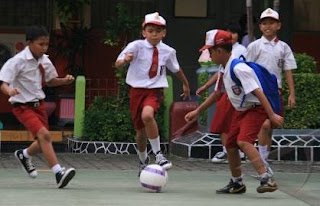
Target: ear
[144, 33]
[164, 33]
[279, 25]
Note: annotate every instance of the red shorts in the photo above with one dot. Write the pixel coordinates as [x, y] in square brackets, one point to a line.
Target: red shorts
[245, 126]
[222, 115]
[33, 118]
[139, 98]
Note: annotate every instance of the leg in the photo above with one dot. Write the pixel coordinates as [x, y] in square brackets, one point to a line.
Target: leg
[141, 140]
[265, 135]
[152, 132]
[63, 176]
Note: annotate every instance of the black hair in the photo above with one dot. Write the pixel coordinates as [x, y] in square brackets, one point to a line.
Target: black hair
[155, 25]
[234, 27]
[36, 31]
[227, 47]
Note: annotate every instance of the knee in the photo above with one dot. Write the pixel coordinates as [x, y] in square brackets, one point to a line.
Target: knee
[242, 144]
[44, 137]
[266, 126]
[147, 117]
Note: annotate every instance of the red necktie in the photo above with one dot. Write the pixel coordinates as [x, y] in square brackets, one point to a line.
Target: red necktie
[43, 77]
[154, 66]
[220, 82]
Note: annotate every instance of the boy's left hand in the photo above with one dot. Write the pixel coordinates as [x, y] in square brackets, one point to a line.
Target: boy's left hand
[186, 92]
[291, 101]
[69, 79]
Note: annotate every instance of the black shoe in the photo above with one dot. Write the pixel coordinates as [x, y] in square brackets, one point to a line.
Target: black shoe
[142, 165]
[232, 188]
[267, 185]
[26, 164]
[64, 176]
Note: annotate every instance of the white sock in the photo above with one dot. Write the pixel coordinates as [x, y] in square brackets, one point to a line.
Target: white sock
[143, 155]
[25, 153]
[155, 144]
[224, 149]
[237, 179]
[264, 175]
[264, 153]
[55, 169]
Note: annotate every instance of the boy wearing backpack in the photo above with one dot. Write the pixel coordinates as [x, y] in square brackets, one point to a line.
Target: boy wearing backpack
[252, 108]
[276, 56]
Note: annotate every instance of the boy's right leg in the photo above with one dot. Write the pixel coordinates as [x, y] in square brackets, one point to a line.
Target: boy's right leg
[236, 184]
[141, 141]
[62, 175]
[24, 158]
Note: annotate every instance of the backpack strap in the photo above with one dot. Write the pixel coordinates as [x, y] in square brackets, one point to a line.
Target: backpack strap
[233, 76]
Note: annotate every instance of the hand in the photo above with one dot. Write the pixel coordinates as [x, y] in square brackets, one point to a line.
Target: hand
[13, 91]
[291, 101]
[276, 121]
[128, 58]
[191, 115]
[69, 79]
[186, 92]
[201, 90]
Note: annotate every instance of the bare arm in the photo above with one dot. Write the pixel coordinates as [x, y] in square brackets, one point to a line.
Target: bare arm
[208, 84]
[127, 59]
[183, 79]
[275, 119]
[55, 82]
[290, 82]
[213, 97]
[7, 90]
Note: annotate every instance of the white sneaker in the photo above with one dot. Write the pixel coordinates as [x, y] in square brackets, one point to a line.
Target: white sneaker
[163, 162]
[219, 157]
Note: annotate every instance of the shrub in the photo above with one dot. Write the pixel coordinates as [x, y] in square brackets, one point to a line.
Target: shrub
[305, 63]
[306, 114]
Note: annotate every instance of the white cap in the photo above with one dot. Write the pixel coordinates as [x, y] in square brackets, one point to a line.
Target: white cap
[216, 37]
[269, 13]
[154, 18]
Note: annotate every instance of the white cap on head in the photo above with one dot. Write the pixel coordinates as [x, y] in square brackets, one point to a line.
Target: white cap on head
[270, 13]
[154, 18]
[216, 37]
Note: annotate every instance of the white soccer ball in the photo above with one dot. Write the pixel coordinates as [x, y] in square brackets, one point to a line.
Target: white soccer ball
[153, 178]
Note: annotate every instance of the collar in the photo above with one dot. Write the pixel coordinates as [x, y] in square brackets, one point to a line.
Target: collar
[29, 55]
[273, 42]
[148, 45]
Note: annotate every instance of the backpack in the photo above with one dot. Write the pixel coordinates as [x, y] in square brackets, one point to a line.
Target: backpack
[267, 80]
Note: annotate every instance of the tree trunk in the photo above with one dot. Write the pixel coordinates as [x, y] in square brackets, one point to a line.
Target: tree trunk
[249, 20]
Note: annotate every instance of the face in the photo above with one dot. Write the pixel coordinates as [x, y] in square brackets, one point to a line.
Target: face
[39, 46]
[216, 55]
[153, 33]
[269, 27]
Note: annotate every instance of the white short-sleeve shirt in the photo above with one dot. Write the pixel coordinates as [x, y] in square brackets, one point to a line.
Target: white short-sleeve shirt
[22, 72]
[238, 49]
[249, 81]
[274, 55]
[138, 71]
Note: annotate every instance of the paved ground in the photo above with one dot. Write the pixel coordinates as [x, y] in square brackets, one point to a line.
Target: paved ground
[111, 180]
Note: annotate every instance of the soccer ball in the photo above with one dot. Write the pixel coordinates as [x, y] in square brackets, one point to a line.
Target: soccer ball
[153, 178]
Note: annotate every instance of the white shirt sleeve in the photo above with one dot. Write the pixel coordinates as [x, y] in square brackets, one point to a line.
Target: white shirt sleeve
[172, 62]
[251, 54]
[9, 70]
[130, 48]
[289, 60]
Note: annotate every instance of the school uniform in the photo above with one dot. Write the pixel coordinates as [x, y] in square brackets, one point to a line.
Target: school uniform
[249, 115]
[145, 90]
[274, 55]
[221, 118]
[22, 72]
